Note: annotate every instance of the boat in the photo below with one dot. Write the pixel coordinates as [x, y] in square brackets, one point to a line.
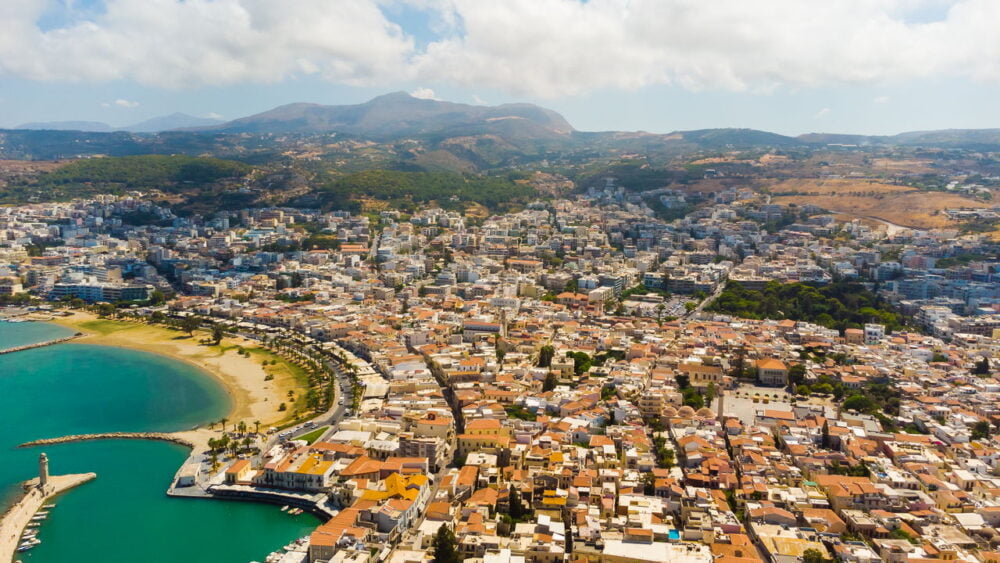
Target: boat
[284, 508]
[49, 506]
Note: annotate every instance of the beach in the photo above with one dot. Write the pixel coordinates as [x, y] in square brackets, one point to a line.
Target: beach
[253, 397]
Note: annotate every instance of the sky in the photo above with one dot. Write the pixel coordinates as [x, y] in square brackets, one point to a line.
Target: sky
[788, 66]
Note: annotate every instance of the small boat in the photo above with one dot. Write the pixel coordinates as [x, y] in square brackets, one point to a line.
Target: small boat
[41, 513]
[284, 508]
[34, 524]
[49, 506]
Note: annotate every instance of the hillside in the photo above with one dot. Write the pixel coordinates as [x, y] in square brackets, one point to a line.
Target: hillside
[401, 115]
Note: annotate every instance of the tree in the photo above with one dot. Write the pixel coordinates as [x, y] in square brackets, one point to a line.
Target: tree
[982, 366]
[190, 324]
[223, 422]
[648, 484]
[515, 504]
[550, 382]
[156, 297]
[813, 556]
[256, 427]
[709, 393]
[825, 442]
[796, 373]
[545, 356]
[981, 430]
[217, 334]
[445, 546]
[105, 309]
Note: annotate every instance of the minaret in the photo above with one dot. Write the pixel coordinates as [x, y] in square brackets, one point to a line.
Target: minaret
[722, 401]
[43, 471]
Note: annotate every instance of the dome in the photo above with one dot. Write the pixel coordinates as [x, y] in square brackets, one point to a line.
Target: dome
[705, 412]
[685, 412]
[670, 412]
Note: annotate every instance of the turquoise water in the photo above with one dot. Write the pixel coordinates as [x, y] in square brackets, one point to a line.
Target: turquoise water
[19, 334]
[124, 514]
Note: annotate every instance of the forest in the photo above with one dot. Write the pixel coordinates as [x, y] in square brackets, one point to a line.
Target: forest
[840, 305]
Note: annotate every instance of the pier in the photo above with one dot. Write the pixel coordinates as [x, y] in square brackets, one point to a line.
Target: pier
[35, 493]
[37, 345]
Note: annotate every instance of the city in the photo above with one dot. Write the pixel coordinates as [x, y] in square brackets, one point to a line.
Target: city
[564, 382]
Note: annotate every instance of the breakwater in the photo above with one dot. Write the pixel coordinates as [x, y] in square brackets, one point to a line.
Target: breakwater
[161, 436]
[38, 344]
[19, 514]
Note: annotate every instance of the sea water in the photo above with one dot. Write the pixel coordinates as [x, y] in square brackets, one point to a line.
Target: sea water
[124, 515]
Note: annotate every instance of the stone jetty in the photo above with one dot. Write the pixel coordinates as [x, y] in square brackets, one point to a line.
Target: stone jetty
[162, 436]
[37, 345]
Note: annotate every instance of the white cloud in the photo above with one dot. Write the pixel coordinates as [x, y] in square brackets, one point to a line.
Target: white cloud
[190, 43]
[424, 94]
[213, 115]
[565, 47]
[881, 99]
[822, 113]
[540, 47]
[123, 103]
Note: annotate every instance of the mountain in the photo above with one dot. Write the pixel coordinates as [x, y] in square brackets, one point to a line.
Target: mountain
[86, 126]
[942, 138]
[170, 122]
[399, 115]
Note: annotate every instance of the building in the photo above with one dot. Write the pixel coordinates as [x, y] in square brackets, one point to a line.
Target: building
[772, 372]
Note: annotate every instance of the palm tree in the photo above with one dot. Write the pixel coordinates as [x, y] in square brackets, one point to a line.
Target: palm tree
[223, 422]
[256, 427]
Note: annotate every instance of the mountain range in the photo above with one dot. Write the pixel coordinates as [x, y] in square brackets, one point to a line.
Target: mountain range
[444, 134]
[154, 125]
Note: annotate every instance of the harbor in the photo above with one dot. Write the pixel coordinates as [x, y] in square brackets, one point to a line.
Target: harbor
[27, 510]
[135, 467]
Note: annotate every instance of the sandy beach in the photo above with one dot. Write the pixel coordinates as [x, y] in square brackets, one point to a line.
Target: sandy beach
[253, 398]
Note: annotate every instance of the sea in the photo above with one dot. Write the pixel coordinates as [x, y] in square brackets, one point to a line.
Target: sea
[124, 515]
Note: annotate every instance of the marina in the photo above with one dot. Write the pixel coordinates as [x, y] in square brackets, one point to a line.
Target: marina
[16, 531]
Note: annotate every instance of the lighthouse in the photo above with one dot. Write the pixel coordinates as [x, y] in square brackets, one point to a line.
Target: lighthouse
[43, 471]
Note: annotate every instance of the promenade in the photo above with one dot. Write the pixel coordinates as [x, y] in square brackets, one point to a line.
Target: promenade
[19, 514]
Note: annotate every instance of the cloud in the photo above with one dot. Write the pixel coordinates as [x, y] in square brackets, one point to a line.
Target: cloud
[192, 43]
[213, 115]
[881, 99]
[822, 113]
[424, 94]
[545, 48]
[122, 103]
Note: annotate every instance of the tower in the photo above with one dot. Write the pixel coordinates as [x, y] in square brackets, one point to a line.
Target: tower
[43, 470]
[721, 398]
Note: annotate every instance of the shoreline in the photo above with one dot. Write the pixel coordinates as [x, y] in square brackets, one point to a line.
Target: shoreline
[251, 397]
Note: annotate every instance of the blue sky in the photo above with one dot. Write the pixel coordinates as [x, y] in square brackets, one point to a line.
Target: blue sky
[862, 66]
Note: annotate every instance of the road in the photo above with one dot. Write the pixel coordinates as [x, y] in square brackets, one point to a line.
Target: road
[704, 302]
